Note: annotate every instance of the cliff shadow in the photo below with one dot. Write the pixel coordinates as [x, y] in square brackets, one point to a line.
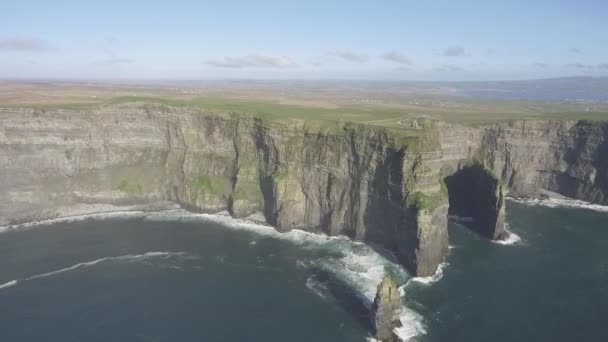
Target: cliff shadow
[353, 303]
[384, 212]
[476, 200]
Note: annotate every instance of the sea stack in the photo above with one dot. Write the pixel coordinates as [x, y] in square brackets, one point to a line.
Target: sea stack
[385, 311]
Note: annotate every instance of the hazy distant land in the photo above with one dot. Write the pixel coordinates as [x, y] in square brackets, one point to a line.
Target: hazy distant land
[370, 102]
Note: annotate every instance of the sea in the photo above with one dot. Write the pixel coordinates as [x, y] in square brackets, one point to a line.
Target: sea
[178, 276]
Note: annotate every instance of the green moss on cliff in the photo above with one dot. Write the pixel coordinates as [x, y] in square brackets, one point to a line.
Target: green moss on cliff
[479, 160]
[422, 202]
[443, 187]
[132, 189]
[122, 186]
[247, 191]
[213, 185]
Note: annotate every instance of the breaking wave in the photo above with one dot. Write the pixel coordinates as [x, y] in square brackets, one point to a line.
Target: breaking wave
[434, 278]
[8, 284]
[561, 203]
[74, 218]
[511, 240]
[122, 258]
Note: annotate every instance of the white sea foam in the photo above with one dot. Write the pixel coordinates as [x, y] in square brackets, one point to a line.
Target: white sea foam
[8, 284]
[563, 203]
[511, 240]
[363, 269]
[434, 278]
[317, 287]
[83, 212]
[411, 327]
[296, 236]
[122, 258]
[74, 218]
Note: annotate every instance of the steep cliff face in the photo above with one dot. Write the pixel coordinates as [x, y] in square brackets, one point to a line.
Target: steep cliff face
[369, 183]
[337, 178]
[566, 157]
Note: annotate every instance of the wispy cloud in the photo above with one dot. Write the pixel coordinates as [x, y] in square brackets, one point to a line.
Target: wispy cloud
[18, 43]
[114, 61]
[111, 40]
[574, 50]
[576, 66]
[453, 51]
[253, 61]
[318, 61]
[586, 66]
[540, 65]
[112, 58]
[449, 68]
[349, 55]
[397, 57]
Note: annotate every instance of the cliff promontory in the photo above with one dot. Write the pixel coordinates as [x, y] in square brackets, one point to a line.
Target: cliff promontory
[393, 187]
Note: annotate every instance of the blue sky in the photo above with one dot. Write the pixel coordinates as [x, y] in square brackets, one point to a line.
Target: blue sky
[396, 40]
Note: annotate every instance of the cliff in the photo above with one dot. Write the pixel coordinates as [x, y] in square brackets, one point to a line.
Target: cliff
[566, 157]
[336, 178]
[369, 183]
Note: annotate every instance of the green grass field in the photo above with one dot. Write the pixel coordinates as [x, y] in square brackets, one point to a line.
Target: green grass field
[392, 112]
[480, 112]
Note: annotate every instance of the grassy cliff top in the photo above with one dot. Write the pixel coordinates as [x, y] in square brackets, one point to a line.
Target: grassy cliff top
[382, 106]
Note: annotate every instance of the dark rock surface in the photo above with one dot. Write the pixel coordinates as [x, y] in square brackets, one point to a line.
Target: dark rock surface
[477, 194]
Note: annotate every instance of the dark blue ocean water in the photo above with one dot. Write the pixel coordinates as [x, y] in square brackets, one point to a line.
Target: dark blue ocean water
[172, 278]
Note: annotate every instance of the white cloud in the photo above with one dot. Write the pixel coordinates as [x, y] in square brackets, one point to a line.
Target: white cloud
[115, 61]
[397, 57]
[576, 65]
[453, 51]
[18, 43]
[251, 61]
[449, 68]
[350, 56]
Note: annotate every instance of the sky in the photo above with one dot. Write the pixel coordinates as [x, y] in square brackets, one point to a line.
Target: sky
[313, 39]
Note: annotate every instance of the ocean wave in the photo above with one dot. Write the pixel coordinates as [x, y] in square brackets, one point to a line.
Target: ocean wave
[122, 258]
[561, 203]
[511, 240]
[9, 284]
[363, 269]
[74, 218]
[412, 325]
[434, 278]
[354, 263]
[318, 287]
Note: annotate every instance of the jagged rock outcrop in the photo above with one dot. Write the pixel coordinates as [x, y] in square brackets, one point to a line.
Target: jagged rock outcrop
[369, 183]
[385, 311]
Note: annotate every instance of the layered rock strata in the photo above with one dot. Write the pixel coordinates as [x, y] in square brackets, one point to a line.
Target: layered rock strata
[373, 184]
